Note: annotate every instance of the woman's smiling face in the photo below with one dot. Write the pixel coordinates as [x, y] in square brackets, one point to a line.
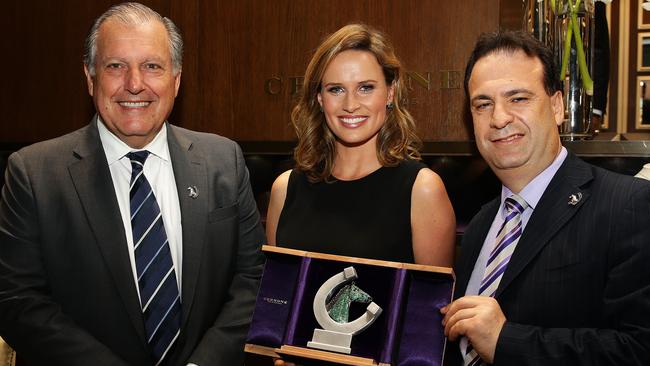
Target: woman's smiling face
[354, 95]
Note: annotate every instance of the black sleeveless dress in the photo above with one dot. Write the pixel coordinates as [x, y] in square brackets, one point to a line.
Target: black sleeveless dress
[368, 217]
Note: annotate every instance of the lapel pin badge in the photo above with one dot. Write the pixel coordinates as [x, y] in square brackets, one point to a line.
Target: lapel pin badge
[575, 198]
[192, 192]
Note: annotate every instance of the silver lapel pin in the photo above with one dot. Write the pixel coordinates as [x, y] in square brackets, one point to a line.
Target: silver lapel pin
[192, 191]
[575, 198]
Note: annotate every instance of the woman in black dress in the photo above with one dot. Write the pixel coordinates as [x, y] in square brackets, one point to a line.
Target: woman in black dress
[358, 188]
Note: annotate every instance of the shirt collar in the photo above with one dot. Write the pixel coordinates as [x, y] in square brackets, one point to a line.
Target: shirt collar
[116, 149]
[534, 190]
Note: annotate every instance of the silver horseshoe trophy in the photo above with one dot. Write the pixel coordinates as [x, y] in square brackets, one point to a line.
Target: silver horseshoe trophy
[336, 335]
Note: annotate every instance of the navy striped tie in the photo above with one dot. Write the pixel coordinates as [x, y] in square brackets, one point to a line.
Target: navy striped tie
[159, 295]
[497, 262]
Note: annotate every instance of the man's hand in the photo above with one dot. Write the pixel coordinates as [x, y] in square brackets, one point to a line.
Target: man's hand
[479, 318]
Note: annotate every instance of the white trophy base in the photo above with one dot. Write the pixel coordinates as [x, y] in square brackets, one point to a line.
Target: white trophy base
[331, 341]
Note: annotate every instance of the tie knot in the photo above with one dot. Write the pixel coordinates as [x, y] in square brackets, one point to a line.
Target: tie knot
[137, 161]
[515, 203]
[139, 156]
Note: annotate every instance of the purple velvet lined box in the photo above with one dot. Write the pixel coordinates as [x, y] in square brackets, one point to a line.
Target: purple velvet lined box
[408, 332]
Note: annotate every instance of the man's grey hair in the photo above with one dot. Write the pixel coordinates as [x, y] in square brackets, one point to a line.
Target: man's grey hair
[133, 14]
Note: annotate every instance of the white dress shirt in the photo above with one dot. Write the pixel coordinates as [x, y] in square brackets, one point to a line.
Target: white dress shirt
[160, 174]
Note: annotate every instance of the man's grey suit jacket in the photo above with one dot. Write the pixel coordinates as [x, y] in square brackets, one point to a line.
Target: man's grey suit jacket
[67, 294]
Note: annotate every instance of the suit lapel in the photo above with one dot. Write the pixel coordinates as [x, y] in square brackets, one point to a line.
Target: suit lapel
[553, 211]
[189, 171]
[472, 244]
[92, 180]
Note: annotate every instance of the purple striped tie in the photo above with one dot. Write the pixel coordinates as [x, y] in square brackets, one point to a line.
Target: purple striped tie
[497, 262]
[159, 295]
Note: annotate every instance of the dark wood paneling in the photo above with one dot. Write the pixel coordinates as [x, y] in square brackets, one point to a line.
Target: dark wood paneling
[511, 14]
[43, 92]
[244, 44]
[186, 16]
[231, 49]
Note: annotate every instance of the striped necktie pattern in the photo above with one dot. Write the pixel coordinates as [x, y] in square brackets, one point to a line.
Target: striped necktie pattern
[159, 295]
[506, 241]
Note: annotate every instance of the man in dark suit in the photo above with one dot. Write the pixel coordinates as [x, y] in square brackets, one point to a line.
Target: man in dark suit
[85, 279]
[556, 271]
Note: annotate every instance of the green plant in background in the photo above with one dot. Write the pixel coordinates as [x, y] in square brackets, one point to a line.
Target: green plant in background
[573, 28]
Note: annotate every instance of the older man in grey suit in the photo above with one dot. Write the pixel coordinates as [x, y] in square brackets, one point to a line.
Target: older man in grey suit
[129, 241]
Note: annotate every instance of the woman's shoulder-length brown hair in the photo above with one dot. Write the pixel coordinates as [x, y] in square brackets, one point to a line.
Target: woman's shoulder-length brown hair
[396, 140]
